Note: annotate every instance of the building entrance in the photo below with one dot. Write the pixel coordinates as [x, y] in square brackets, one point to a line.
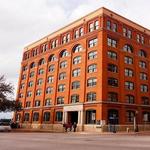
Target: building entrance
[73, 117]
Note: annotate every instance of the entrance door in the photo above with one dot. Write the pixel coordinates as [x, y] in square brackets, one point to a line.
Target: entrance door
[73, 117]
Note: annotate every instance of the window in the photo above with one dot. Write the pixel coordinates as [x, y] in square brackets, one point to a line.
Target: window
[142, 64]
[35, 116]
[39, 81]
[129, 85]
[61, 88]
[142, 53]
[111, 42]
[93, 26]
[114, 27]
[50, 79]
[77, 60]
[30, 84]
[129, 99]
[145, 100]
[51, 68]
[92, 68]
[26, 117]
[92, 55]
[37, 103]
[143, 76]
[41, 71]
[48, 102]
[77, 49]
[90, 116]
[127, 33]
[20, 95]
[66, 38]
[91, 82]
[140, 39]
[59, 116]
[62, 76]
[75, 85]
[128, 48]
[93, 42]
[81, 31]
[44, 47]
[112, 68]
[49, 90]
[46, 116]
[111, 26]
[96, 24]
[64, 53]
[76, 34]
[22, 86]
[75, 98]
[128, 72]
[112, 97]
[112, 82]
[52, 58]
[146, 116]
[144, 88]
[128, 60]
[24, 68]
[60, 100]
[63, 64]
[38, 92]
[112, 55]
[28, 103]
[31, 74]
[41, 62]
[130, 115]
[91, 96]
[29, 94]
[54, 43]
[23, 77]
[32, 65]
[34, 52]
[76, 72]
[108, 25]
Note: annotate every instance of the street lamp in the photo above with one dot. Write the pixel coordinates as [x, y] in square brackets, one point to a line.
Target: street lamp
[136, 129]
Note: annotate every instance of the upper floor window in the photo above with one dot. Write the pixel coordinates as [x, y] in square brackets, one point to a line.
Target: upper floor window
[92, 82]
[128, 60]
[112, 97]
[92, 55]
[76, 85]
[129, 85]
[93, 42]
[31, 74]
[79, 32]
[24, 68]
[93, 26]
[74, 98]
[66, 38]
[142, 64]
[23, 77]
[113, 81]
[22, 86]
[54, 43]
[128, 48]
[51, 68]
[41, 62]
[77, 49]
[145, 100]
[76, 72]
[129, 99]
[64, 53]
[127, 33]
[111, 26]
[140, 39]
[91, 96]
[63, 64]
[30, 84]
[142, 53]
[37, 103]
[50, 79]
[112, 68]
[32, 65]
[41, 71]
[62, 76]
[112, 55]
[111, 42]
[61, 88]
[29, 94]
[34, 52]
[128, 72]
[51, 58]
[38, 92]
[48, 102]
[49, 90]
[144, 88]
[92, 68]
[39, 81]
[44, 47]
[60, 100]
[77, 60]
[143, 76]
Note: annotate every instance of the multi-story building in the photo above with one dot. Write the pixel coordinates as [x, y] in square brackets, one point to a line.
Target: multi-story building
[94, 71]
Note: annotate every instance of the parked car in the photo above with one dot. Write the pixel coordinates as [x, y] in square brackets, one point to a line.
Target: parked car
[5, 125]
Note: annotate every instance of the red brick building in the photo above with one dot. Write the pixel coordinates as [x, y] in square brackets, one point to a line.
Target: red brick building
[95, 71]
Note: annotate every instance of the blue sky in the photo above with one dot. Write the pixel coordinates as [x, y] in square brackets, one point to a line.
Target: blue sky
[25, 21]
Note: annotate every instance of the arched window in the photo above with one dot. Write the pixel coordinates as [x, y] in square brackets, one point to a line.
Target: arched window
[64, 53]
[46, 116]
[77, 48]
[52, 58]
[41, 62]
[113, 116]
[128, 48]
[32, 65]
[142, 53]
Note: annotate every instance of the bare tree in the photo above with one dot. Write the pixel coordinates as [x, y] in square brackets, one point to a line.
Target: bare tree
[7, 102]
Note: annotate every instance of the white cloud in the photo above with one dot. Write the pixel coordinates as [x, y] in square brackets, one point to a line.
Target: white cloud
[24, 21]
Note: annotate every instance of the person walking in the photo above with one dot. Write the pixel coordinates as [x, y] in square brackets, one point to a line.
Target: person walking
[74, 126]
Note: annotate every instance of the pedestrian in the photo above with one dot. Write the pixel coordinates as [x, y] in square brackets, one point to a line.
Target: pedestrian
[74, 126]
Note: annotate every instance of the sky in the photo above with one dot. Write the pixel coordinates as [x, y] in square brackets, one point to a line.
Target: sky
[25, 21]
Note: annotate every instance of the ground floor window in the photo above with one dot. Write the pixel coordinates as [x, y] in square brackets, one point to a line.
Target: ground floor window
[18, 117]
[46, 116]
[146, 116]
[35, 116]
[130, 115]
[113, 116]
[26, 117]
[59, 116]
[90, 116]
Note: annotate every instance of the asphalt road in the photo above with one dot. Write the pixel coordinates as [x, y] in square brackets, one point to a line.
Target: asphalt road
[69, 141]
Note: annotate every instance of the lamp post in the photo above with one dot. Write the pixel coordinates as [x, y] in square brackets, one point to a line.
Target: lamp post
[136, 128]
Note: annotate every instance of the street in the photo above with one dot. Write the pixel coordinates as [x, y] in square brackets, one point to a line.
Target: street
[71, 141]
